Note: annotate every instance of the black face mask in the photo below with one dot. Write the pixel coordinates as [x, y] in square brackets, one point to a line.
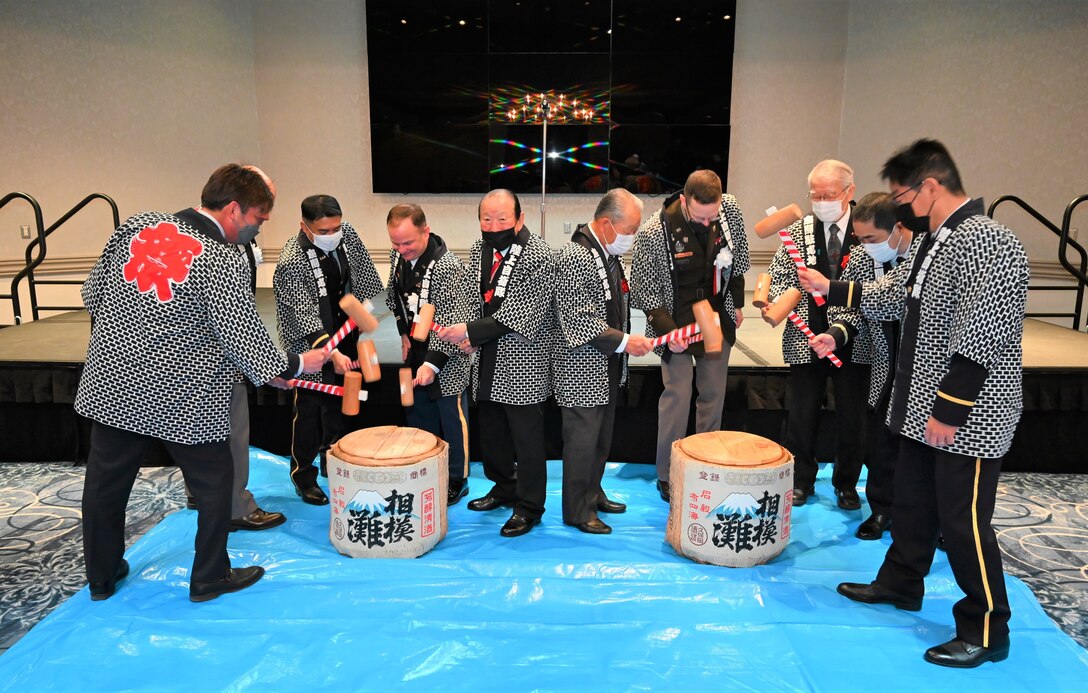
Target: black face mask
[905, 216]
[499, 240]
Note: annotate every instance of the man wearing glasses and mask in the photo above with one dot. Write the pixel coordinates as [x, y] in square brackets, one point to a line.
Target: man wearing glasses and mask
[693, 249]
[956, 397]
[320, 265]
[825, 240]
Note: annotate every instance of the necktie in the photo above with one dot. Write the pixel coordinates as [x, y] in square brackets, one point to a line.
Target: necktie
[495, 265]
[834, 250]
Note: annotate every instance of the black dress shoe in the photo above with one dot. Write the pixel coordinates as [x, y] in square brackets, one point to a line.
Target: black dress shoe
[874, 527]
[487, 502]
[664, 490]
[963, 655]
[190, 503]
[458, 489]
[800, 496]
[236, 579]
[594, 526]
[605, 505]
[312, 495]
[873, 593]
[518, 525]
[848, 499]
[105, 590]
[258, 520]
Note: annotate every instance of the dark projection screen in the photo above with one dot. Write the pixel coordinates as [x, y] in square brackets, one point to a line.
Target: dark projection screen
[637, 93]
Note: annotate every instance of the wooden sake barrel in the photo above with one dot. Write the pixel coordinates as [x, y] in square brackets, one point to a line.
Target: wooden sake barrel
[387, 492]
[731, 498]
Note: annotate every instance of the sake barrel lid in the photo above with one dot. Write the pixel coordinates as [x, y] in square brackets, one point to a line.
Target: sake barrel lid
[734, 449]
[386, 446]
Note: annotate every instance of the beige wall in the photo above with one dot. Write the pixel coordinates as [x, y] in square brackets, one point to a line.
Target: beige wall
[142, 99]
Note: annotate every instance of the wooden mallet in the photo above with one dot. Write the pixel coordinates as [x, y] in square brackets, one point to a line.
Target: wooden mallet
[407, 388]
[352, 392]
[423, 324]
[706, 323]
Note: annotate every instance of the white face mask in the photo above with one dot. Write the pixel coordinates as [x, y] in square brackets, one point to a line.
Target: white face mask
[621, 245]
[881, 252]
[328, 242]
[827, 211]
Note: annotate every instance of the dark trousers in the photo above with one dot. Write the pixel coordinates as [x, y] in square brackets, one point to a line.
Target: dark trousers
[806, 391]
[587, 439]
[446, 417]
[243, 502]
[512, 447]
[940, 493]
[882, 460]
[317, 424]
[112, 465]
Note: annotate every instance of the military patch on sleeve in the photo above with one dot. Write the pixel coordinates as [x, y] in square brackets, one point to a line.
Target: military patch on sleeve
[160, 258]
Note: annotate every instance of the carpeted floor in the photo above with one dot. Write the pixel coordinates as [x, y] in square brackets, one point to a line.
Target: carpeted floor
[1042, 523]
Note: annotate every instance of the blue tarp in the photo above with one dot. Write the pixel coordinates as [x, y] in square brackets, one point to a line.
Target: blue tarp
[553, 610]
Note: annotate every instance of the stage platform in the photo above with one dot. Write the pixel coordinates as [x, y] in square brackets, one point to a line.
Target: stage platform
[40, 363]
[555, 610]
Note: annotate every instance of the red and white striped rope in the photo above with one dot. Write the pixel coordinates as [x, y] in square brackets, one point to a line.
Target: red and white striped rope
[794, 253]
[800, 324]
[320, 387]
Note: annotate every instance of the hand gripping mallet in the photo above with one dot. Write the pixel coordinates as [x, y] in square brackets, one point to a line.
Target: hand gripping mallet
[706, 323]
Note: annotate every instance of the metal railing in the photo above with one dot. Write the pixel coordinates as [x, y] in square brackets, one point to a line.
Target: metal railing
[1064, 243]
[31, 263]
[40, 241]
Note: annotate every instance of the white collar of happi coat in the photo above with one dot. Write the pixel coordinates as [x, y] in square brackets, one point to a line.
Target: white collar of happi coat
[598, 252]
[512, 254]
[939, 237]
[413, 299]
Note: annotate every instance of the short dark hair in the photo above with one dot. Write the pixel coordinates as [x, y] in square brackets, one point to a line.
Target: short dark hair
[317, 207]
[704, 187]
[236, 183]
[408, 211]
[501, 191]
[923, 159]
[877, 208]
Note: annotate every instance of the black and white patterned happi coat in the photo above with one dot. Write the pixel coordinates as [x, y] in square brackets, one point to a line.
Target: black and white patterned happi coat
[581, 369]
[522, 371]
[862, 268]
[298, 283]
[651, 276]
[783, 271]
[173, 318]
[973, 292]
[442, 288]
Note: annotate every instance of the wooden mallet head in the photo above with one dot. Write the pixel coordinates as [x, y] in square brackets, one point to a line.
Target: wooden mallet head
[785, 303]
[368, 361]
[407, 388]
[421, 328]
[777, 219]
[707, 320]
[359, 313]
[353, 385]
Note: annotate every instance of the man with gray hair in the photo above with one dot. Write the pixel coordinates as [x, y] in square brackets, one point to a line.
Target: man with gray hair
[693, 249]
[825, 240]
[591, 299]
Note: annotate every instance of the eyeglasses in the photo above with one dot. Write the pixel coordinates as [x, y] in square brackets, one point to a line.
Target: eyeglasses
[820, 197]
[895, 198]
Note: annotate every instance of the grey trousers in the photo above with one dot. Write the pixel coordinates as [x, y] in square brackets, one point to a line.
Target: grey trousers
[242, 502]
[675, 403]
[587, 440]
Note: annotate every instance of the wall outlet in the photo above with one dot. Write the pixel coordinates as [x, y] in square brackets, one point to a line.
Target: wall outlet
[566, 227]
[24, 231]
